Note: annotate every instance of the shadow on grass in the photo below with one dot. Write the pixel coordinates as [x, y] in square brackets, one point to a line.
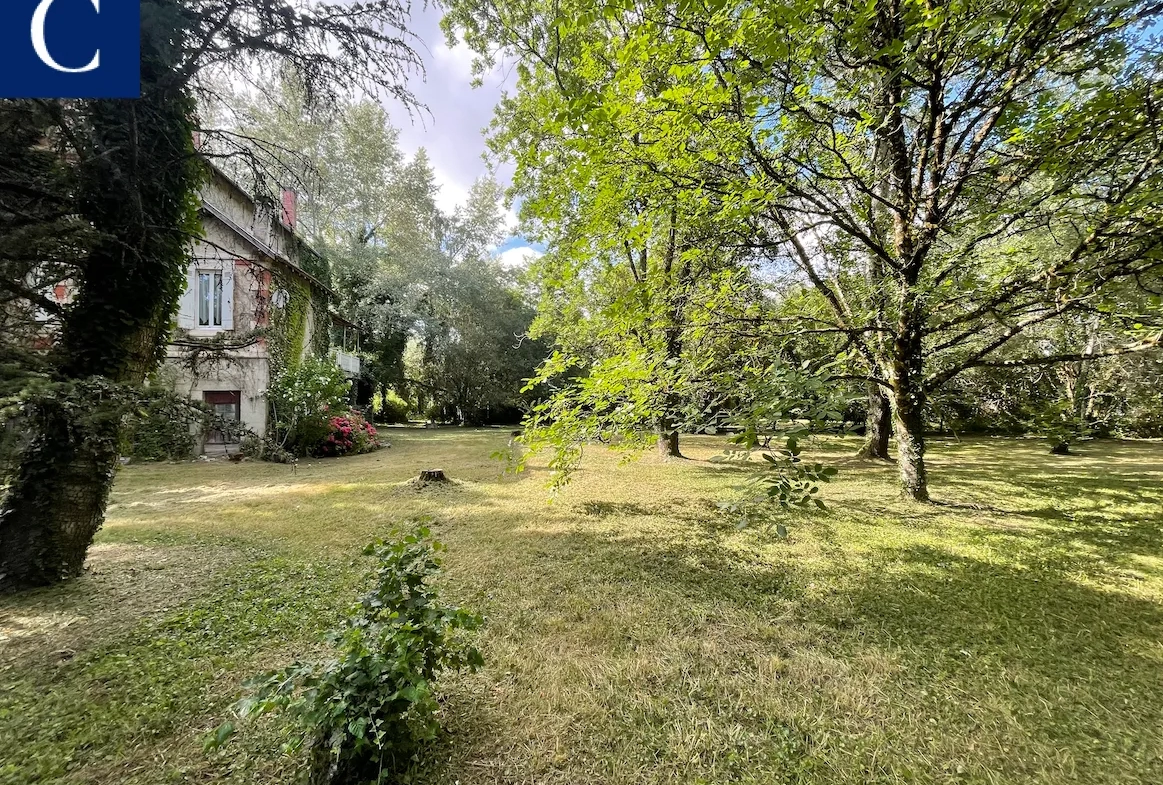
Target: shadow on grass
[1069, 663]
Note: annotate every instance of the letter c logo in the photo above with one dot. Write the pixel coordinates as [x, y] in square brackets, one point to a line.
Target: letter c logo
[41, 48]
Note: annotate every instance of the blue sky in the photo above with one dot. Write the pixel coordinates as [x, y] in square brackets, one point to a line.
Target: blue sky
[452, 129]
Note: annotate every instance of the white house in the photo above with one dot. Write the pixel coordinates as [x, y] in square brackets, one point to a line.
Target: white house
[248, 285]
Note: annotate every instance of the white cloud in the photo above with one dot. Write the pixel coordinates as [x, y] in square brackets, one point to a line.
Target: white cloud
[518, 257]
[457, 113]
[452, 193]
[457, 60]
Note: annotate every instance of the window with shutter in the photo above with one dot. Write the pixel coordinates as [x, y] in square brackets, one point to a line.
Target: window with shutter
[211, 298]
[188, 304]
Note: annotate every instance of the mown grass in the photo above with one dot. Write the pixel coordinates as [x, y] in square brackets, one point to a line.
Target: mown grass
[1012, 632]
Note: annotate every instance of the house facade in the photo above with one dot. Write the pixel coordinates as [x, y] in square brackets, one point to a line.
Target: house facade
[251, 306]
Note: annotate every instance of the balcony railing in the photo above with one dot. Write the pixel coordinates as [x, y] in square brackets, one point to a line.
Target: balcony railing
[349, 363]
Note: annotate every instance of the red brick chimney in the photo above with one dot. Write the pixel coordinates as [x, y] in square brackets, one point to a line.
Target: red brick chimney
[290, 209]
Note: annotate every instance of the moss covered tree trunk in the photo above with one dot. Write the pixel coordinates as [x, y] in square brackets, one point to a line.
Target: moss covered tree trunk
[910, 438]
[137, 177]
[56, 502]
[878, 425]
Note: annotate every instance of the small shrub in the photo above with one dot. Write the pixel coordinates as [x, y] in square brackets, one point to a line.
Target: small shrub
[365, 714]
[254, 446]
[350, 434]
[163, 427]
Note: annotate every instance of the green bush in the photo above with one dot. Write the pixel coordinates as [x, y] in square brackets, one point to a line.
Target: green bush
[393, 408]
[365, 714]
[302, 400]
[164, 427]
[350, 434]
[259, 448]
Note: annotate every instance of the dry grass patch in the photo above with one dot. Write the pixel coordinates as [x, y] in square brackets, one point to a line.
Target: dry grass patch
[122, 584]
[1009, 633]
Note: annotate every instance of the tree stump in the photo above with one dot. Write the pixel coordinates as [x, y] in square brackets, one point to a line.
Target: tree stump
[431, 475]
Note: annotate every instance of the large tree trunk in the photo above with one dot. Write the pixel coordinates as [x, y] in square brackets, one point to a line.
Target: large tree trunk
[908, 402]
[878, 425]
[668, 442]
[910, 439]
[908, 407]
[56, 502]
[138, 175]
[895, 162]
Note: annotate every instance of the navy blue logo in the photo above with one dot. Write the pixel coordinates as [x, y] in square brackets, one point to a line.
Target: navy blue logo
[70, 48]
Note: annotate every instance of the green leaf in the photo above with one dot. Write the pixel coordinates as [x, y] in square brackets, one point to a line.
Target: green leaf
[221, 735]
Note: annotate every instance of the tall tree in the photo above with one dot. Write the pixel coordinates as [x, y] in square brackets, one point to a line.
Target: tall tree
[627, 252]
[129, 172]
[471, 352]
[938, 142]
[903, 155]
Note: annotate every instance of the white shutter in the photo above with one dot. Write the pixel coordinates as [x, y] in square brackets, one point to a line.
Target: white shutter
[188, 304]
[228, 295]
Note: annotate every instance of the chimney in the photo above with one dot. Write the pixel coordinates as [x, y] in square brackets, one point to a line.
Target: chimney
[290, 209]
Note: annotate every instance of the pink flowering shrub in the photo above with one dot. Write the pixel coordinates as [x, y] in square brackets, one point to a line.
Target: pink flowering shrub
[350, 434]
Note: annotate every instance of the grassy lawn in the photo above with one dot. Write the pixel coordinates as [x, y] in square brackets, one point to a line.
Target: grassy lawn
[1010, 633]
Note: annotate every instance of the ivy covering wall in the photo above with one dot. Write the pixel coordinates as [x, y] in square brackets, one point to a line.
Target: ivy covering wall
[291, 321]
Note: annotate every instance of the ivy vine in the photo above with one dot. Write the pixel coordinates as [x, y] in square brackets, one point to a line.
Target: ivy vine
[291, 304]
